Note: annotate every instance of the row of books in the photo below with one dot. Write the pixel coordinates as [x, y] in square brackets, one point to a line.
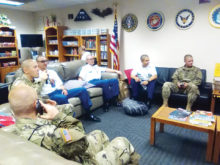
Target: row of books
[90, 44]
[104, 55]
[198, 117]
[104, 47]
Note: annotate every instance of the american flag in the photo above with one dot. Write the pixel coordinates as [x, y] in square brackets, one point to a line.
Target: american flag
[114, 45]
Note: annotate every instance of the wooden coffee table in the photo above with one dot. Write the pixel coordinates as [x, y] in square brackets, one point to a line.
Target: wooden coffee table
[161, 116]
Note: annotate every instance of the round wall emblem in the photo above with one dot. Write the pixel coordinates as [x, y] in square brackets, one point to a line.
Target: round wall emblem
[129, 22]
[155, 21]
[214, 16]
[185, 18]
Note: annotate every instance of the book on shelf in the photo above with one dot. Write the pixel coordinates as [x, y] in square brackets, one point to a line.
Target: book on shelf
[202, 118]
[179, 114]
[104, 56]
[91, 44]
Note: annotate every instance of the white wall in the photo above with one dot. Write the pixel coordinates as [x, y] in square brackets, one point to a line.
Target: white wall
[62, 17]
[167, 46]
[24, 22]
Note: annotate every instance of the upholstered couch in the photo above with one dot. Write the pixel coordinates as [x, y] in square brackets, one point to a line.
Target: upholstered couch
[70, 71]
[164, 74]
[16, 150]
[177, 99]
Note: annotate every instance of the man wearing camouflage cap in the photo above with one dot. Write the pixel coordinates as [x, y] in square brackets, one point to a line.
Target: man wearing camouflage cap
[64, 134]
[186, 80]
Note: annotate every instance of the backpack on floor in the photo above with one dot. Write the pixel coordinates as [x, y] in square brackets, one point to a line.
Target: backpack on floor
[134, 108]
[124, 90]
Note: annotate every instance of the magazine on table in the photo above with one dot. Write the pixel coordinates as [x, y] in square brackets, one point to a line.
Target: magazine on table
[202, 118]
[179, 114]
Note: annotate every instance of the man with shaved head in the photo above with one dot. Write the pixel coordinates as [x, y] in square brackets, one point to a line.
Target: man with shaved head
[30, 72]
[64, 134]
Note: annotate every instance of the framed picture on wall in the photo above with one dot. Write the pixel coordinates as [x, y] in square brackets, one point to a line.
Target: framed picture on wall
[184, 19]
[155, 20]
[214, 17]
[129, 22]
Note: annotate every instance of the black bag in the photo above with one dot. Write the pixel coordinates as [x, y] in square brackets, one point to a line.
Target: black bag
[134, 108]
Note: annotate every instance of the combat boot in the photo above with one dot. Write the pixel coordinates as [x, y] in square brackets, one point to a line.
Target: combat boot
[165, 103]
[188, 107]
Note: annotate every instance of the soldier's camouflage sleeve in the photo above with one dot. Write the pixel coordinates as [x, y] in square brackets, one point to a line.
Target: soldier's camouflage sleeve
[68, 139]
[62, 120]
[175, 76]
[198, 78]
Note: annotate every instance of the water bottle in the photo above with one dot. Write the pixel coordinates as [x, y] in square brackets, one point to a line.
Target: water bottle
[142, 80]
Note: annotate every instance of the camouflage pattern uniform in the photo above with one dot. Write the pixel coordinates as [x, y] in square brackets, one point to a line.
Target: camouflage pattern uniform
[65, 136]
[192, 76]
[37, 85]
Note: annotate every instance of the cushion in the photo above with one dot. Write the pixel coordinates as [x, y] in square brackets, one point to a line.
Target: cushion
[128, 74]
[108, 75]
[72, 69]
[94, 92]
[57, 67]
[74, 101]
[162, 75]
[134, 108]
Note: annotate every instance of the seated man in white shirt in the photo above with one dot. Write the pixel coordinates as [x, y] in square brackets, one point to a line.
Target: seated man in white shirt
[143, 80]
[55, 90]
[92, 74]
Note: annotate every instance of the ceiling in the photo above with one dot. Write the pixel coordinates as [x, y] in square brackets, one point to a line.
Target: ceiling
[39, 5]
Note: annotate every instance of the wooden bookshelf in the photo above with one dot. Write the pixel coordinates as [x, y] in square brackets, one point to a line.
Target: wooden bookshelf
[71, 46]
[92, 44]
[9, 58]
[105, 55]
[54, 48]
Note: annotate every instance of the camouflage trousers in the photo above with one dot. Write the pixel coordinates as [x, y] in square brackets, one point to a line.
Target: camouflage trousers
[191, 90]
[67, 109]
[117, 152]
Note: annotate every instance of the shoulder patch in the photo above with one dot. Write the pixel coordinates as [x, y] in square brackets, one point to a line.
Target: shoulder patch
[66, 135]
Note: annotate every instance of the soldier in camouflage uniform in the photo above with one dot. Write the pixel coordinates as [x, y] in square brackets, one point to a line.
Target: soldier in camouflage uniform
[31, 71]
[186, 80]
[65, 135]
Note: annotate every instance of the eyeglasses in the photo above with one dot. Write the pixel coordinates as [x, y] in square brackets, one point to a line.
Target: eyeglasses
[43, 61]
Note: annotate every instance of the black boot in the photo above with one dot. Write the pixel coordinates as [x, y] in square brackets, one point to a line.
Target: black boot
[92, 117]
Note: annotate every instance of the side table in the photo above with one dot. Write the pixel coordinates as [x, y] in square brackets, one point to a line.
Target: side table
[215, 94]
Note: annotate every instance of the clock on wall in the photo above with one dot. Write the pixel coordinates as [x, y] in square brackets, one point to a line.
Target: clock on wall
[129, 22]
[214, 17]
[155, 20]
[185, 19]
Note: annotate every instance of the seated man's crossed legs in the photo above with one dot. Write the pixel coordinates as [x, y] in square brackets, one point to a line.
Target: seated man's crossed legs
[83, 95]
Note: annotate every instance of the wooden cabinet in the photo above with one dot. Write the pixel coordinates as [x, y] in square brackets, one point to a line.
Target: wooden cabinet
[53, 39]
[71, 46]
[105, 55]
[9, 57]
[92, 45]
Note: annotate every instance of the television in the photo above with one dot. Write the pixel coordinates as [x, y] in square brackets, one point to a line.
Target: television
[31, 40]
